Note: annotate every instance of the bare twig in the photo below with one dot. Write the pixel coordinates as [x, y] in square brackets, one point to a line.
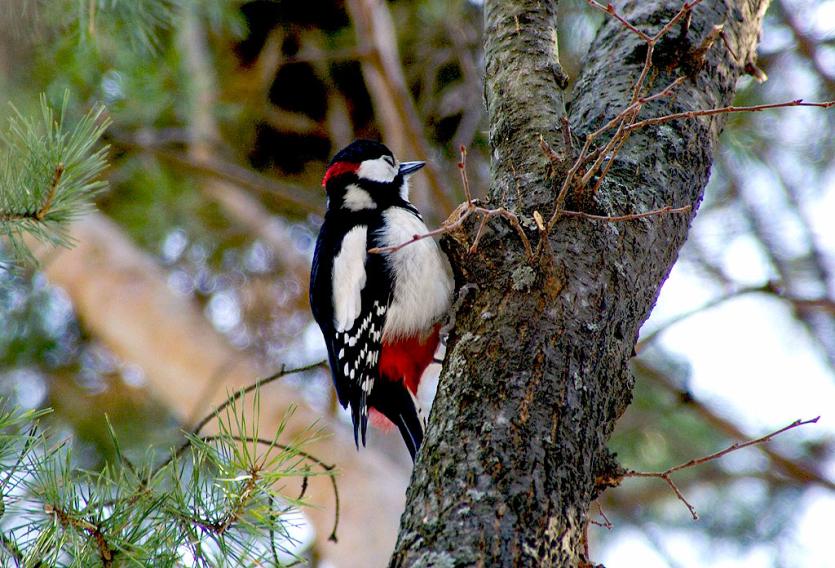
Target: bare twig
[792, 468]
[825, 304]
[632, 217]
[50, 195]
[665, 475]
[629, 113]
[685, 10]
[237, 395]
[606, 524]
[467, 211]
[624, 122]
[479, 233]
[610, 10]
[604, 153]
[234, 397]
[461, 214]
[566, 185]
[231, 399]
[445, 228]
[724, 110]
[465, 182]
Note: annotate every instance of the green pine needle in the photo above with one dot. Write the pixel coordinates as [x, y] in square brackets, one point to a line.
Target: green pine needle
[48, 174]
[219, 502]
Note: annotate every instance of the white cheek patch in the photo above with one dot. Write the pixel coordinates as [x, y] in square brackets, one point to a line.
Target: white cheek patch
[349, 278]
[404, 189]
[377, 170]
[357, 198]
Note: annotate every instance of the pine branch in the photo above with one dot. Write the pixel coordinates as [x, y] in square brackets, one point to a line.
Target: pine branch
[222, 503]
[48, 174]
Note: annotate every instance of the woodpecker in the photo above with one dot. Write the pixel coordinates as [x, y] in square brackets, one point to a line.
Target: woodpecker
[379, 312]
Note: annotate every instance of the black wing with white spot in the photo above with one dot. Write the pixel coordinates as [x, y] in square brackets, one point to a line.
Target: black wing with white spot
[350, 292]
[358, 358]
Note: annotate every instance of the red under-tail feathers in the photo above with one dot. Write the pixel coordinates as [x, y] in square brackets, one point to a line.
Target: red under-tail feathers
[405, 359]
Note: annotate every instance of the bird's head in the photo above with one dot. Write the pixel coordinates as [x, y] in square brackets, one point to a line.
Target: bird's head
[366, 175]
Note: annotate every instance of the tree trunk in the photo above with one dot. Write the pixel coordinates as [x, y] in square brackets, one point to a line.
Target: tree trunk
[537, 367]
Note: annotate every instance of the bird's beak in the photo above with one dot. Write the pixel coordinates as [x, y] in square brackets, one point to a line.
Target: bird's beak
[407, 168]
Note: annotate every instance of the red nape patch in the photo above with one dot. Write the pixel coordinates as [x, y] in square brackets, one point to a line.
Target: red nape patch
[408, 357]
[337, 170]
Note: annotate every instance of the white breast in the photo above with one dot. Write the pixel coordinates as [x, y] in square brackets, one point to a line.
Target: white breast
[423, 280]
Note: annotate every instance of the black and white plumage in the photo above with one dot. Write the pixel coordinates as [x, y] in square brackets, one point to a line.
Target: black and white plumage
[378, 313]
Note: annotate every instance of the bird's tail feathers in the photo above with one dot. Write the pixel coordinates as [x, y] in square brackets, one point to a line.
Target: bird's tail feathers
[398, 404]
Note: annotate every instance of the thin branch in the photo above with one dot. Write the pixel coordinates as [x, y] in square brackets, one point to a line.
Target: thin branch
[793, 468]
[467, 211]
[462, 212]
[636, 89]
[237, 395]
[231, 399]
[445, 228]
[632, 217]
[465, 182]
[566, 185]
[517, 226]
[825, 304]
[740, 445]
[665, 475]
[479, 233]
[234, 397]
[685, 9]
[583, 157]
[611, 159]
[727, 109]
[624, 121]
[617, 138]
[610, 10]
[606, 524]
[629, 114]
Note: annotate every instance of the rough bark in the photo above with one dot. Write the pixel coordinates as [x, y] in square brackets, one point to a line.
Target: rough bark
[536, 373]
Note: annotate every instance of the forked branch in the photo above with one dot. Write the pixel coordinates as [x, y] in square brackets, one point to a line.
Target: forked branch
[665, 475]
[589, 162]
[461, 214]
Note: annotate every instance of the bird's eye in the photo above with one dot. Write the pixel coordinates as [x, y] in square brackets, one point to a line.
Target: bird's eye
[389, 160]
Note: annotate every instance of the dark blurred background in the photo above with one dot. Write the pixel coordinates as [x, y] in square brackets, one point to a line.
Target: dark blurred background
[224, 116]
